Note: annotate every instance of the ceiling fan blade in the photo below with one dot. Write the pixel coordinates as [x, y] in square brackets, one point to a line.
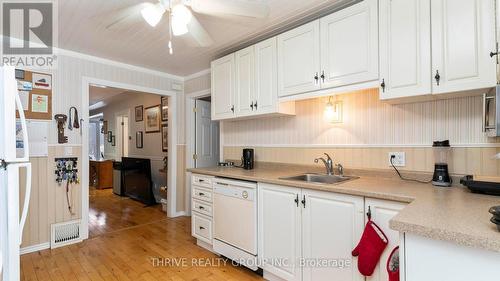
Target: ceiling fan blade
[119, 16]
[199, 33]
[230, 7]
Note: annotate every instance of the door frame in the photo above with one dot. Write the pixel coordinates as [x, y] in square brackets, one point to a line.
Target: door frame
[191, 140]
[172, 139]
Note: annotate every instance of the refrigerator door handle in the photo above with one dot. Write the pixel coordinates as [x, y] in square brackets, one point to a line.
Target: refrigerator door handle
[26, 204]
[26, 150]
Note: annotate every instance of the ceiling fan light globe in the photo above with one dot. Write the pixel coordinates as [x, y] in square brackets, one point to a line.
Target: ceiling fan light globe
[152, 14]
[181, 14]
[179, 28]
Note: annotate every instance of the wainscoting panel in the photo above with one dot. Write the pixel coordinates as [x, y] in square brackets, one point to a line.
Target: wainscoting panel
[367, 122]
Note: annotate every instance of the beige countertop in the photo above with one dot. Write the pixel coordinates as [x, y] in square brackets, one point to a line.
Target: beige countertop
[449, 214]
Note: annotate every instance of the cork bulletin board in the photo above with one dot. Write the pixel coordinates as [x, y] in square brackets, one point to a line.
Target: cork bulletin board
[35, 90]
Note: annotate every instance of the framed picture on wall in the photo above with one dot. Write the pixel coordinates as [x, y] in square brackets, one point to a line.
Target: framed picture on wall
[138, 140]
[113, 141]
[139, 113]
[152, 120]
[110, 136]
[164, 137]
[164, 108]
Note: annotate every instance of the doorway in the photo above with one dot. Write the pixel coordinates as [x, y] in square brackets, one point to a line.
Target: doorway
[206, 135]
[122, 136]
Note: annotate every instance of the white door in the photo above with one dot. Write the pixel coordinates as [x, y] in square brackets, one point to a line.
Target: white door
[245, 81]
[121, 141]
[332, 225]
[266, 87]
[298, 60]
[223, 87]
[382, 211]
[405, 48]
[349, 45]
[207, 136]
[463, 35]
[279, 235]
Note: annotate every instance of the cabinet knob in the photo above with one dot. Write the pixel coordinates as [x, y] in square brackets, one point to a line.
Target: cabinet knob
[322, 76]
[382, 85]
[201, 207]
[255, 105]
[201, 228]
[232, 108]
[251, 106]
[437, 77]
[297, 200]
[492, 54]
[304, 201]
[316, 77]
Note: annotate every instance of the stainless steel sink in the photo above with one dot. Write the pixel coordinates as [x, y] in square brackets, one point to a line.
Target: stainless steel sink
[320, 178]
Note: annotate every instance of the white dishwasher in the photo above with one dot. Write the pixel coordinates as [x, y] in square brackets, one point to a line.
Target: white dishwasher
[235, 220]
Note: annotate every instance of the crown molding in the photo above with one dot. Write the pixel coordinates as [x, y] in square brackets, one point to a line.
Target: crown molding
[197, 74]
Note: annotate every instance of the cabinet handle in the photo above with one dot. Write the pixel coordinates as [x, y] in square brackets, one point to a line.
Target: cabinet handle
[492, 54]
[304, 201]
[232, 108]
[297, 200]
[201, 194]
[316, 77]
[369, 213]
[201, 208]
[201, 228]
[200, 180]
[255, 105]
[323, 76]
[382, 85]
[437, 77]
[251, 106]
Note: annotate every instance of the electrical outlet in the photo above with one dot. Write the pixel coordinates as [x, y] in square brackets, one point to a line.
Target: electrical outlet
[398, 160]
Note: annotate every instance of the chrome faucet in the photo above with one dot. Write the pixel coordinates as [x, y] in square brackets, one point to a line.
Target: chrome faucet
[328, 164]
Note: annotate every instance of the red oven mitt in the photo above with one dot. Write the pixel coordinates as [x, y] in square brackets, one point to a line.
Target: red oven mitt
[370, 248]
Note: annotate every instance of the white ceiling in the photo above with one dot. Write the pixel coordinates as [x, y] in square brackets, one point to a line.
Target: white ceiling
[82, 29]
[102, 96]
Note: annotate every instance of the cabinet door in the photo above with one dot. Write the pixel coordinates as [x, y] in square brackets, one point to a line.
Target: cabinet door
[463, 35]
[405, 48]
[245, 81]
[279, 230]
[223, 87]
[332, 225]
[298, 60]
[349, 45]
[266, 91]
[382, 212]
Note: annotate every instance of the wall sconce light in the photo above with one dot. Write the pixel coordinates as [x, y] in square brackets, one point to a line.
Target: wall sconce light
[333, 111]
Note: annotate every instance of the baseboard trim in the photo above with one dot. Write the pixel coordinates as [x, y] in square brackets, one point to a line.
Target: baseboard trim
[35, 248]
[179, 214]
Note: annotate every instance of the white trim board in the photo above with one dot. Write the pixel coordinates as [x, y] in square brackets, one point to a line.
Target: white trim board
[453, 145]
[172, 140]
[197, 74]
[35, 248]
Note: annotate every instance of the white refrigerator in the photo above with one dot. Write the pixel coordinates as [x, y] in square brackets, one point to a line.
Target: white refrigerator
[14, 155]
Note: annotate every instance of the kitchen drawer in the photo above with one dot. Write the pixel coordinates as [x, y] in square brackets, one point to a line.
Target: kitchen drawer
[201, 227]
[203, 194]
[202, 207]
[203, 181]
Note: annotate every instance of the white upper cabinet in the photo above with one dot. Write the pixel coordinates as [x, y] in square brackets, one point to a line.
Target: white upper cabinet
[279, 218]
[266, 86]
[382, 211]
[223, 81]
[349, 45]
[463, 35]
[299, 60]
[245, 81]
[405, 48]
[332, 225]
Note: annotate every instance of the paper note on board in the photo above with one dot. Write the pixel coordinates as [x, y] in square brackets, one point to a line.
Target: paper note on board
[42, 81]
[39, 103]
[24, 96]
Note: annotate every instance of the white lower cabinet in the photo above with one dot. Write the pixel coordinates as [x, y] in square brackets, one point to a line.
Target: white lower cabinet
[298, 229]
[382, 212]
[280, 230]
[332, 225]
[201, 207]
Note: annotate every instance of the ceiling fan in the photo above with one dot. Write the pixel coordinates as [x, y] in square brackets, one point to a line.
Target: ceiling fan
[181, 17]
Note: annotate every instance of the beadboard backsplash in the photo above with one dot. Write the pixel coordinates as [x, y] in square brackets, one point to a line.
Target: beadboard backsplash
[368, 122]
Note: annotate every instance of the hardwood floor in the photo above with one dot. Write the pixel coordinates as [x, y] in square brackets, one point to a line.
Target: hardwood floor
[146, 246]
[109, 212]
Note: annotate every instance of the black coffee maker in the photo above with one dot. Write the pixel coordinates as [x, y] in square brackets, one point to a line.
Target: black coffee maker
[247, 159]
